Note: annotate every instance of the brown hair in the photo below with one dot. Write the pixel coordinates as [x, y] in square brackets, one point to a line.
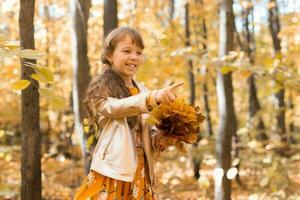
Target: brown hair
[117, 35]
[109, 84]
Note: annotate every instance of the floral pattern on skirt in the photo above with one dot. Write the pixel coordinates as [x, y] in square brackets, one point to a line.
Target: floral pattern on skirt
[99, 187]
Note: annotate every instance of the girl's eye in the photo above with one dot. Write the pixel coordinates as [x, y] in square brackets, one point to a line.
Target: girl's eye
[126, 51]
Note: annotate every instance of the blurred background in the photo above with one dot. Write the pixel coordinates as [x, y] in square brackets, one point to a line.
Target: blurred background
[240, 63]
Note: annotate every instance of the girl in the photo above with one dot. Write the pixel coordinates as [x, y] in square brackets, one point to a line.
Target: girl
[123, 161]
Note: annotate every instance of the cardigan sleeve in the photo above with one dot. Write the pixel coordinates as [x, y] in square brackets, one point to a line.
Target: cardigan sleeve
[126, 107]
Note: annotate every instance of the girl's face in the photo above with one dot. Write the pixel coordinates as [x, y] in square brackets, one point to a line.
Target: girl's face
[126, 58]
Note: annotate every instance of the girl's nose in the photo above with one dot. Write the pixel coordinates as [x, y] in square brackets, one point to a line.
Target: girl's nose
[134, 56]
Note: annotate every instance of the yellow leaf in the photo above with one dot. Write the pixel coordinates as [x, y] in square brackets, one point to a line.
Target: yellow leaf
[58, 103]
[165, 41]
[268, 63]
[46, 73]
[20, 85]
[85, 121]
[46, 92]
[30, 54]
[227, 69]
[42, 75]
[280, 77]
[276, 89]
[90, 141]
[278, 56]
[86, 129]
[39, 78]
[12, 46]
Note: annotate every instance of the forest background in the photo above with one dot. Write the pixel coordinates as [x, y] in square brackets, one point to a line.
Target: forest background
[241, 68]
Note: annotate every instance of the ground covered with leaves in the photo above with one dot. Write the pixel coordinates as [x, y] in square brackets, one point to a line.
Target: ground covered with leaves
[263, 175]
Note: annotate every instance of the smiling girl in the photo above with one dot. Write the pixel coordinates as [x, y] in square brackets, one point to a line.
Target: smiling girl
[122, 167]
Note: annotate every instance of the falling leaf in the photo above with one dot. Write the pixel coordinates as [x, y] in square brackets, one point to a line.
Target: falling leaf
[20, 84]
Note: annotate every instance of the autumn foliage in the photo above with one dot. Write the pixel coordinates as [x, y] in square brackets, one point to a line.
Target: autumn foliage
[178, 120]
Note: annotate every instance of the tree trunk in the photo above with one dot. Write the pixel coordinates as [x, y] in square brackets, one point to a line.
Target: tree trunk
[227, 123]
[172, 9]
[291, 107]
[207, 110]
[274, 26]
[203, 34]
[110, 16]
[205, 87]
[31, 185]
[190, 63]
[196, 161]
[254, 105]
[81, 68]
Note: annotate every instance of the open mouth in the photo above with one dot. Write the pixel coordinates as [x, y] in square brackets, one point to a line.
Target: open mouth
[131, 65]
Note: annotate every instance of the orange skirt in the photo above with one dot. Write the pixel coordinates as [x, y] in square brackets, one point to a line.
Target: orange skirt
[99, 187]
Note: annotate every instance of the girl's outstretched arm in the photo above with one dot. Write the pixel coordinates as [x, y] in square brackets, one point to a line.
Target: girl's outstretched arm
[126, 107]
[136, 104]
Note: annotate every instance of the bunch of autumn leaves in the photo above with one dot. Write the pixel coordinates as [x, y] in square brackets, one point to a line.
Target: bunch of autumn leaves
[179, 121]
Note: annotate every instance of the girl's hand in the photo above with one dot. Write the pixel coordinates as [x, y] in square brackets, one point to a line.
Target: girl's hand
[163, 141]
[167, 95]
